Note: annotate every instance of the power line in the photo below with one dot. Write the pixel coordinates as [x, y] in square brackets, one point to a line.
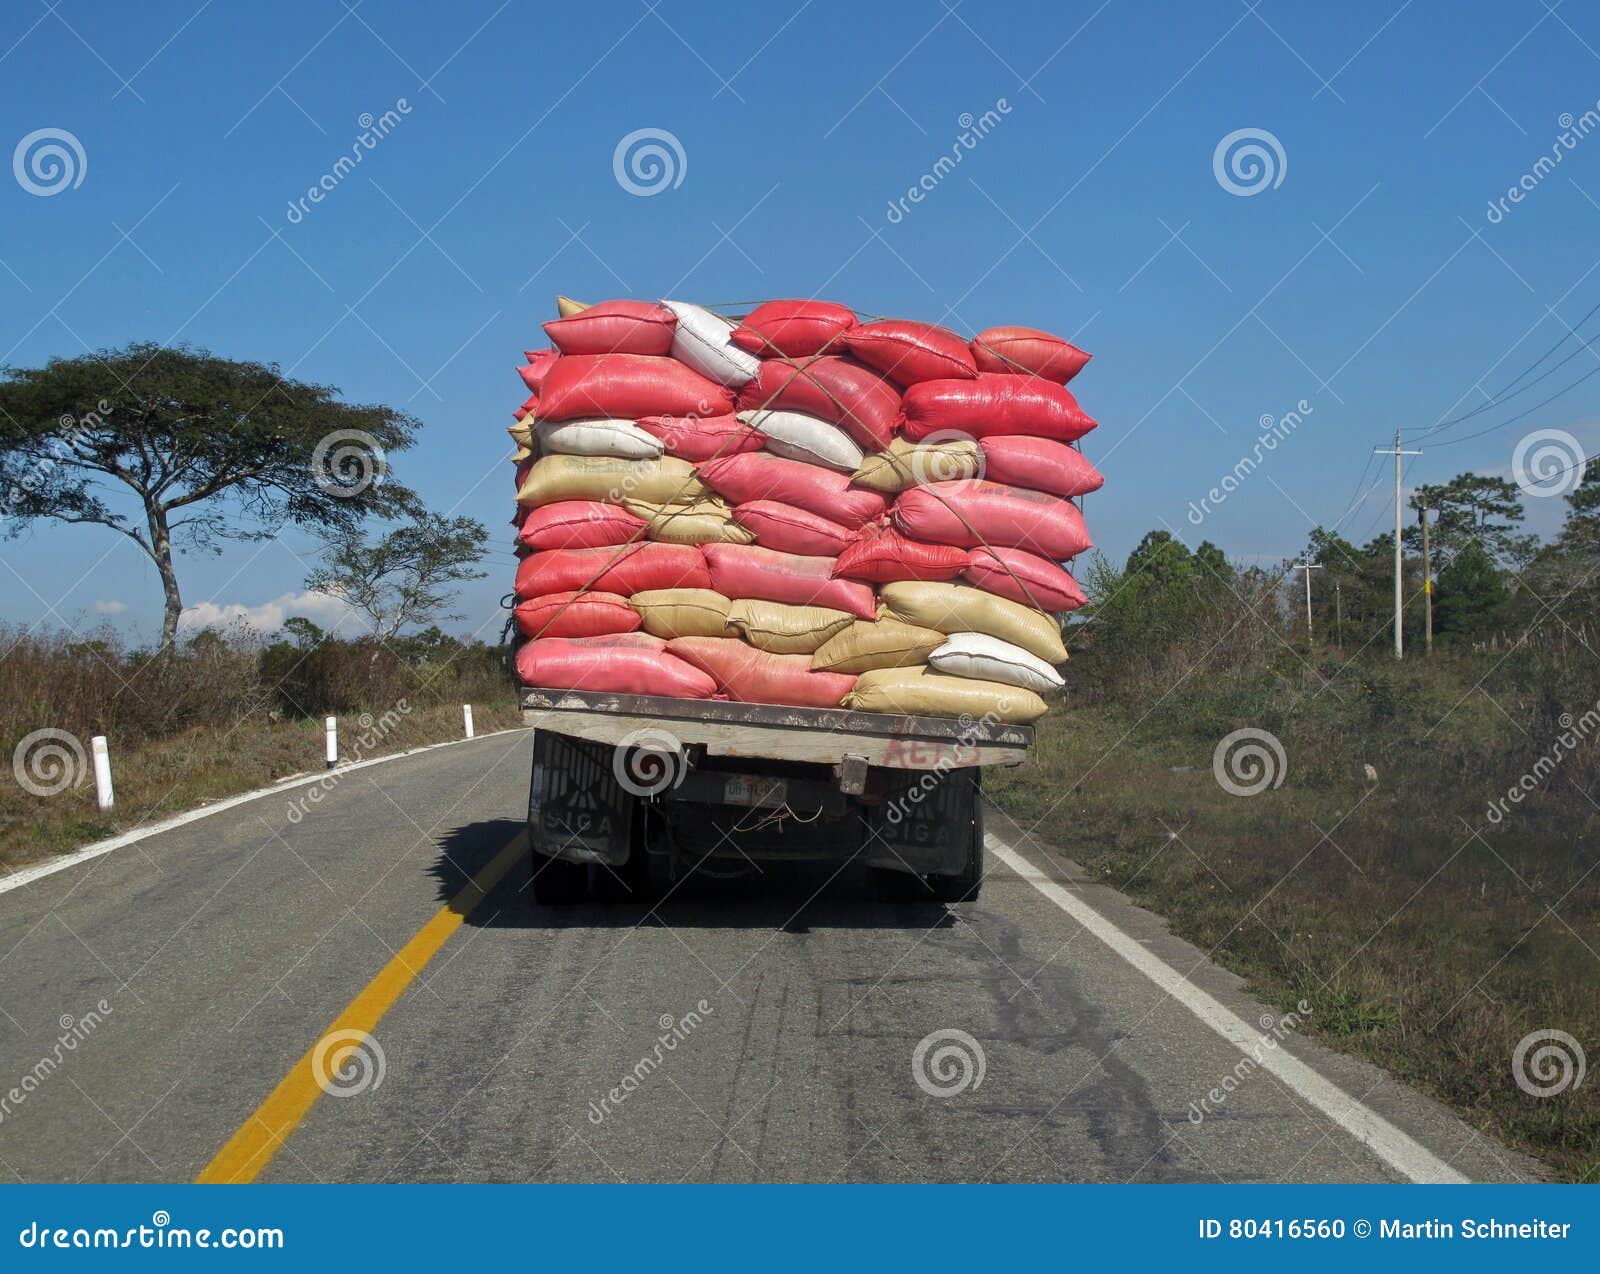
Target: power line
[1506, 393]
[1511, 420]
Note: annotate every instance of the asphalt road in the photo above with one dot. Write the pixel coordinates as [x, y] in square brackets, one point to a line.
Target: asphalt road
[223, 951]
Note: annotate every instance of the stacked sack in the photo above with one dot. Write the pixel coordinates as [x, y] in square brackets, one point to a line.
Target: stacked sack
[798, 508]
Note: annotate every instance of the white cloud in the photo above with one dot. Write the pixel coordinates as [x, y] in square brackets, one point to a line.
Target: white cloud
[268, 617]
[110, 608]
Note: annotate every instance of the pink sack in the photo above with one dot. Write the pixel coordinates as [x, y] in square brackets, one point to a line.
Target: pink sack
[575, 615]
[627, 386]
[615, 327]
[1026, 351]
[1020, 576]
[540, 361]
[530, 405]
[883, 556]
[790, 529]
[759, 475]
[748, 675]
[1039, 464]
[750, 572]
[698, 438]
[907, 352]
[972, 513]
[993, 404]
[562, 665]
[838, 390]
[613, 641]
[792, 329]
[634, 568]
[579, 524]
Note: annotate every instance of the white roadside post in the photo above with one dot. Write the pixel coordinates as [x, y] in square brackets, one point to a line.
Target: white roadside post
[103, 795]
[466, 716]
[332, 726]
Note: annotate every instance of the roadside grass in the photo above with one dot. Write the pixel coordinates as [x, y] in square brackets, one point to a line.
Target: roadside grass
[1425, 937]
[211, 721]
[159, 778]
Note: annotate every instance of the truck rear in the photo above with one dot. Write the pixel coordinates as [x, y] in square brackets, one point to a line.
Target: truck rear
[631, 793]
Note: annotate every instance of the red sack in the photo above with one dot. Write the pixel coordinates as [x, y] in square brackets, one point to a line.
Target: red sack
[540, 361]
[563, 665]
[1020, 576]
[523, 470]
[759, 475]
[698, 438]
[615, 327]
[992, 404]
[884, 556]
[792, 329]
[531, 404]
[575, 615]
[612, 641]
[748, 675]
[627, 386]
[579, 524]
[790, 529]
[747, 571]
[635, 568]
[1026, 351]
[972, 513]
[909, 352]
[838, 390]
[1039, 464]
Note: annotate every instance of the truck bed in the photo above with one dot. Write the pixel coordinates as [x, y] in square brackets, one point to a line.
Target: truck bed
[824, 736]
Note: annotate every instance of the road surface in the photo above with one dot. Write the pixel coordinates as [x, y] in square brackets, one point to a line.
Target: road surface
[744, 1031]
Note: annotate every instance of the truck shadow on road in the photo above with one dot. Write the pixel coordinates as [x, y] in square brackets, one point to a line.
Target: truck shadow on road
[792, 897]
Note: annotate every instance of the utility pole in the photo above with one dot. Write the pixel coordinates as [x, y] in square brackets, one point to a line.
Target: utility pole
[1338, 617]
[1427, 578]
[1399, 589]
[1308, 567]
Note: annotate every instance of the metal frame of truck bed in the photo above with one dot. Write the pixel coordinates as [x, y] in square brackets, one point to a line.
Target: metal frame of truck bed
[820, 736]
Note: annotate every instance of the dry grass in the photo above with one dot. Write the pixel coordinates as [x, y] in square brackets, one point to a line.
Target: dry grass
[1426, 937]
[216, 720]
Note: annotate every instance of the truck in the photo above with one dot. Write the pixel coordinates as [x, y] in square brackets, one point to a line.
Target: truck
[631, 793]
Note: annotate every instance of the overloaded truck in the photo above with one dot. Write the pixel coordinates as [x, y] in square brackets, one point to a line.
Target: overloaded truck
[787, 581]
[631, 792]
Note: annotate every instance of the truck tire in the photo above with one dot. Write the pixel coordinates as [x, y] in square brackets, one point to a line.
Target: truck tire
[558, 883]
[966, 886]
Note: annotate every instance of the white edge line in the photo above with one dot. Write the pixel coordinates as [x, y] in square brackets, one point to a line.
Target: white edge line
[27, 875]
[1401, 1152]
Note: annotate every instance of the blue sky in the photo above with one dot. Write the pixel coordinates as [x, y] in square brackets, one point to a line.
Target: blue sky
[1368, 282]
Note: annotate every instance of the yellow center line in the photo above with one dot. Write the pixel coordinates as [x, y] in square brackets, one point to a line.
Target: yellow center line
[251, 1148]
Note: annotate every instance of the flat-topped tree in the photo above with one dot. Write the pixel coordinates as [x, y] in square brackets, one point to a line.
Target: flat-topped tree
[177, 448]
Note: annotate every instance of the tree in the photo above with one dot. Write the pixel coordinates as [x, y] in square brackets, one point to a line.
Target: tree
[1212, 564]
[404, 577]
[1473, 508]
[305, 634]
[1472, 594]
[208, 448]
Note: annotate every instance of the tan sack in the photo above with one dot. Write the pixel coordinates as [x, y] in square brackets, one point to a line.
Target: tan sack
[609, 479]
[960, 608]
[908, 464]
[920, 692]
[781, 629]
[566, 307]
[682, 612]
[882, 643]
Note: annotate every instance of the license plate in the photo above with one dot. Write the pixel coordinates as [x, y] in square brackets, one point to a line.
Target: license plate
[755, 790]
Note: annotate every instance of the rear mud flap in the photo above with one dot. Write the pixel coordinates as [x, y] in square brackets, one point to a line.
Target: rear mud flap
[924, 823]
[577, 808]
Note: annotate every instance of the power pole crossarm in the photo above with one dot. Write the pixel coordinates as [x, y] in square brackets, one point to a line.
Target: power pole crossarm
[1399, 590]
